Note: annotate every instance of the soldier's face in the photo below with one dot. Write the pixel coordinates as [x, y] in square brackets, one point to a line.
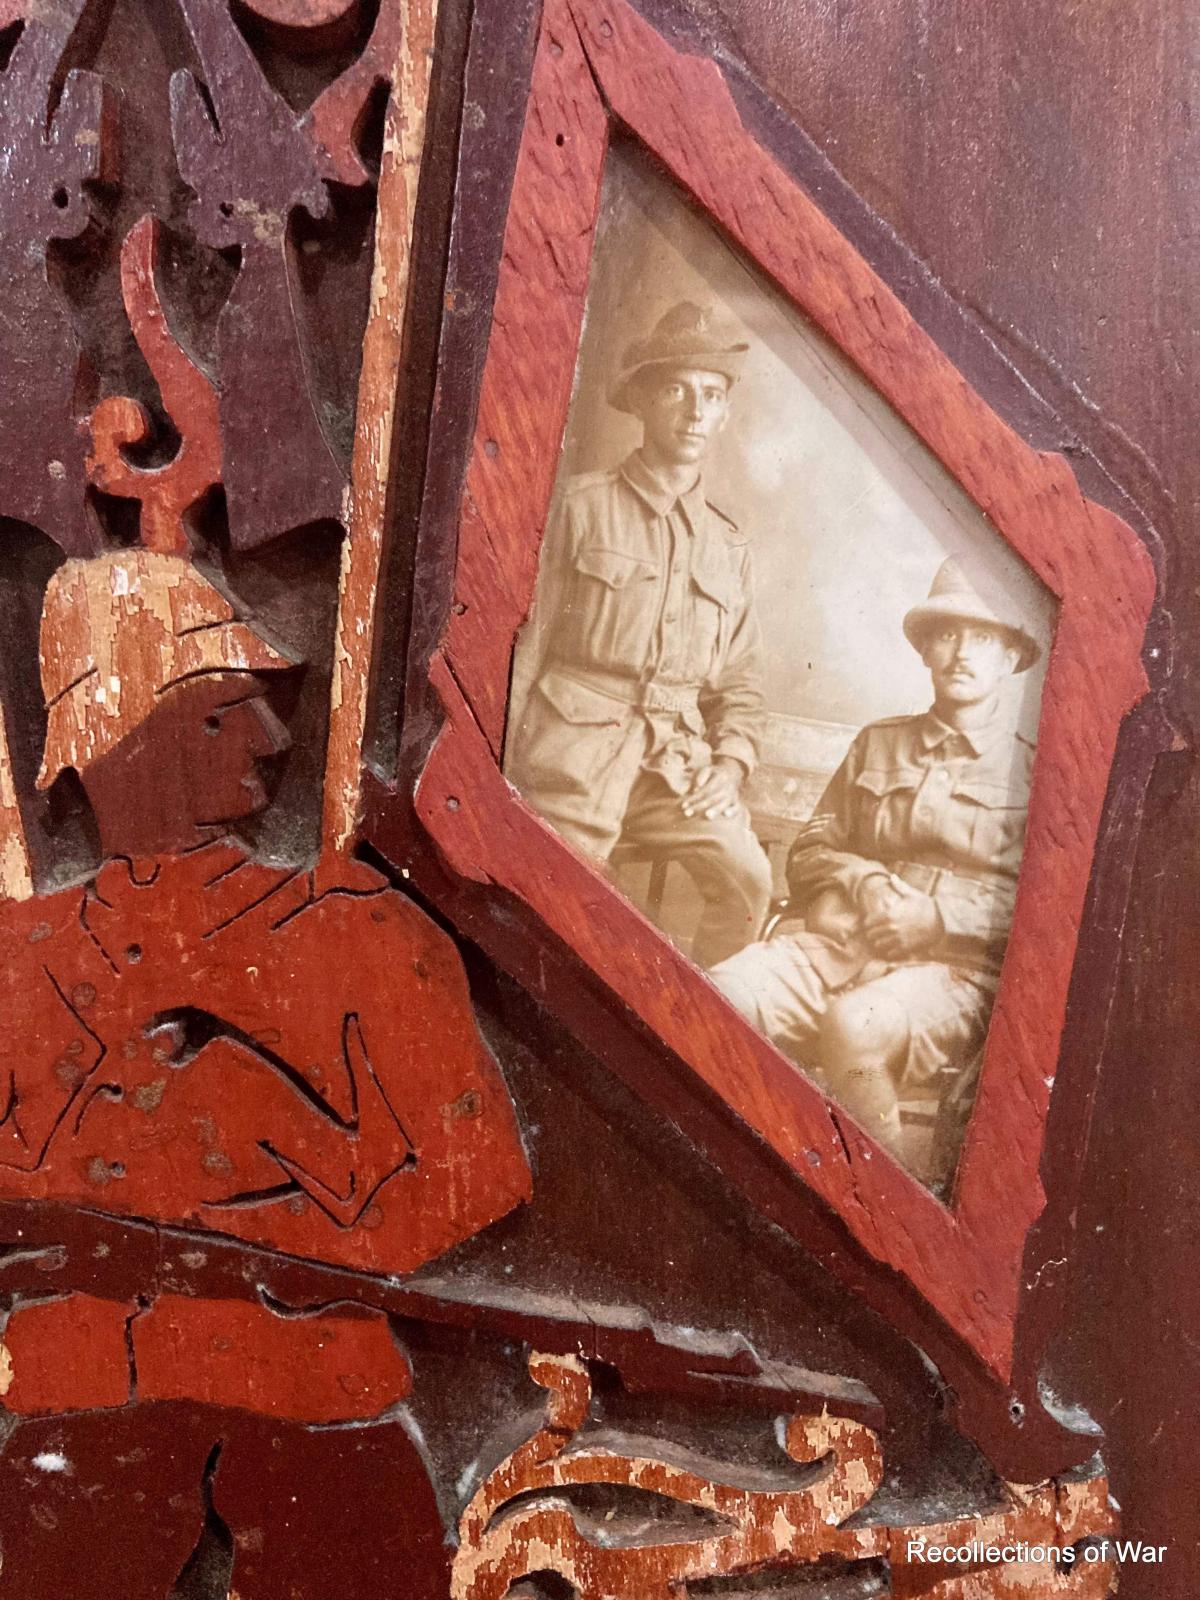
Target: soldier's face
[968, 661]
[682, 409]
[194, 764]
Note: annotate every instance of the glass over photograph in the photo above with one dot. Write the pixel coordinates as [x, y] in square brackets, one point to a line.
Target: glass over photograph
[781, 677]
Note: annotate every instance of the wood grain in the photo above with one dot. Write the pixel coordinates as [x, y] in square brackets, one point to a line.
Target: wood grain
[967, 1262]
[247, 1084]
[58, 130]
[520, 1521]
[380, 394]
[166, 493]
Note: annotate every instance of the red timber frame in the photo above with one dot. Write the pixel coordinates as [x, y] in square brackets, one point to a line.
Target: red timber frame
[600, 66]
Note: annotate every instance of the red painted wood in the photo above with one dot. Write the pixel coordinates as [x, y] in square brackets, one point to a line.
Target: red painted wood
[118, 423]
[79, 1353]
[539, 312]
[217, 1047]
[100, 1503]
[965, 1262]
[328, 1367]
[66, 1354]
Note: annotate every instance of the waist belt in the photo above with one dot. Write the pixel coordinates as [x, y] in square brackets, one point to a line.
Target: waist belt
[926, 875]
[643, 696]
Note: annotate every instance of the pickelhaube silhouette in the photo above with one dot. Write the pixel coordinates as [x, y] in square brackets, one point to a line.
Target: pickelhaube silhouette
[118, 631]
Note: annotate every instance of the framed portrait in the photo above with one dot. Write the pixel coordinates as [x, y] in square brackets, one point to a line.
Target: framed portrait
[723, 695]
[885, 642]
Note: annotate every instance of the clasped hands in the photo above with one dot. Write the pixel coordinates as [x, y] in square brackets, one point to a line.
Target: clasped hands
[898, 921]
[716, 790]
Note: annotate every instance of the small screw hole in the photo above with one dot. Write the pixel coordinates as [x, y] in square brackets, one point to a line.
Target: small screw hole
[452, 803]
[133, 953]
[61, 198]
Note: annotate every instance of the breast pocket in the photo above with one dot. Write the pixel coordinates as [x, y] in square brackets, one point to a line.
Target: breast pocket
[883, 803]
[617, 602]
[714, 594]
[991, 816]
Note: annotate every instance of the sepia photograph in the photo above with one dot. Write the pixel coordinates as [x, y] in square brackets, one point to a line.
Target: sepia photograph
[780, 679]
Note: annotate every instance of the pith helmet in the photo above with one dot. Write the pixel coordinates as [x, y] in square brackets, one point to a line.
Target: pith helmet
[687, 335]
[120, 630]
[955, 597]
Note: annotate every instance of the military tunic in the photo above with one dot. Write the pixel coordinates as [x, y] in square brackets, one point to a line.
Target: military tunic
[940, 810]
[640, 663]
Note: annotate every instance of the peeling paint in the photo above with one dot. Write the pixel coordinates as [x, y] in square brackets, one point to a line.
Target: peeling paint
[516, 1524]
[117, 632]
[16, 877]
[358, 585]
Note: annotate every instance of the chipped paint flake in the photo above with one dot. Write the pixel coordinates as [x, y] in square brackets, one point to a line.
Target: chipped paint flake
[518, 1523]
[404, 139]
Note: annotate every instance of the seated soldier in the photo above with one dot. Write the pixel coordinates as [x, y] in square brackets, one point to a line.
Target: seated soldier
[905, 877]
[637, 699]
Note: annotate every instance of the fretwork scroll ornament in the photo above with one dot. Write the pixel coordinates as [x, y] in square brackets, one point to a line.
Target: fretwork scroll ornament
[336, 115]
[343, 1127]
[253, 163]
[59, 135]
[250, 1084]
[522, 1522]
[169, 492]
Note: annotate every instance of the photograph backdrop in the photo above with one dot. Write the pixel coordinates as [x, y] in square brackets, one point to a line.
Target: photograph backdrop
[848, 514]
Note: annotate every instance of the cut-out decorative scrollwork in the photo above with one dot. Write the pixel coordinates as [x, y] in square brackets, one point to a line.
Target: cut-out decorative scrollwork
[59, 144]
[522, 1520]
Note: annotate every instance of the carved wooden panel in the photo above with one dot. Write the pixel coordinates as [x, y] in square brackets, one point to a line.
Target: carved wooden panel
[966, 1260]
[392, 1198]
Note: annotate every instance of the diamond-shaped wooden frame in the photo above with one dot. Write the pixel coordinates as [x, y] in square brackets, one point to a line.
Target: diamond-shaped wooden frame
[598, 64]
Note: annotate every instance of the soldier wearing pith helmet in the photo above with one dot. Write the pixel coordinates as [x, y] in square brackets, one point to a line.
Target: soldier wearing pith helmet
[155, 688]
[637, 705]
[903, 883]
[956, 598]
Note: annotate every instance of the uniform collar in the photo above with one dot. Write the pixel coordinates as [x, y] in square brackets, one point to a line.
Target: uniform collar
[648, 486]
[932, 732]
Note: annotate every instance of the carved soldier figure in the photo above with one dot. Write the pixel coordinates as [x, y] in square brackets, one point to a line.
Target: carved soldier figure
[641, 657]
[153, 697]
[906, 876]
[383, 1149]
